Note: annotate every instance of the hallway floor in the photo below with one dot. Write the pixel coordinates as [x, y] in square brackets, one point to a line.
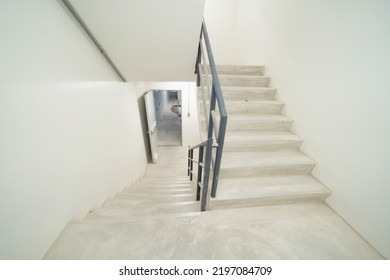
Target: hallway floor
[294, 231]
[169, 128]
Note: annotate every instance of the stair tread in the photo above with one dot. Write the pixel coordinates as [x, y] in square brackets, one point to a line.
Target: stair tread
[269, 186]
[261, 136]
[245, 159]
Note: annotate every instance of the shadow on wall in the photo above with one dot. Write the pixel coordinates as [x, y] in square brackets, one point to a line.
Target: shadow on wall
[144, 125]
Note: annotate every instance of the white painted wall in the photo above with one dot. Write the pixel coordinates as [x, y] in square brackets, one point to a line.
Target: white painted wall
[70, 134]
[190, 126]
[221, 21]
[330, 62]
[149, 40]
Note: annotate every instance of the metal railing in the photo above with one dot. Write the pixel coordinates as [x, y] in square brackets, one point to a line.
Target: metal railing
[210, 151]
[68, 6]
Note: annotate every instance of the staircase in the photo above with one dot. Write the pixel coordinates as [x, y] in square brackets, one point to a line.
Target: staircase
[164, 191]
[261, 163]
[158, 217]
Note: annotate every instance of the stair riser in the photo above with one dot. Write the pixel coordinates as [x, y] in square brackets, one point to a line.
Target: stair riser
[145, 201]
[137, 212]
[154, 192]
[273, 126]
[160, 186]
[248, 107]
[167, 172]
[239, 70]
[238, 107]
[132, 200]
[249, 171]
[126, 196]
[263, 201]
[260, 147]
[250, 94]
[162, 181]
[231, 93]
[255, 126]
[244, 81]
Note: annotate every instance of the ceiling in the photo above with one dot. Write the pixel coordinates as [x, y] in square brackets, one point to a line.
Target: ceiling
[148, 40]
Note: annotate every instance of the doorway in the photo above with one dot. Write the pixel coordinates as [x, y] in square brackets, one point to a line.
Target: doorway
[169, 119]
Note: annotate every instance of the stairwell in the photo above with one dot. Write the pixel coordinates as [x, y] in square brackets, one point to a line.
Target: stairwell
[268, 205]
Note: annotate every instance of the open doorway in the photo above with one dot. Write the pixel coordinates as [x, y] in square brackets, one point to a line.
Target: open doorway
[169, 122]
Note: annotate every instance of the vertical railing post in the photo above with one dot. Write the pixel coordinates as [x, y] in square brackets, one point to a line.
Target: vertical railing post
[212, 108]
[191, 162]
[205, 197]
[218, 156]
[198, 61]
[200, 169]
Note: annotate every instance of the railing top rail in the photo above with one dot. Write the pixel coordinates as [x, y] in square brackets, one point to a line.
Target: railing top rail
[217, 84]
[204, 143]
[83, 25]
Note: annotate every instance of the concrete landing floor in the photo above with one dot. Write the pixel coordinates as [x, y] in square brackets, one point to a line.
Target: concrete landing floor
[297, 231]
[306, 231]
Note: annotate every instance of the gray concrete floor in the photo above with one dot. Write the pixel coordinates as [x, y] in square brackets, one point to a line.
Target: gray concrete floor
[169, 129]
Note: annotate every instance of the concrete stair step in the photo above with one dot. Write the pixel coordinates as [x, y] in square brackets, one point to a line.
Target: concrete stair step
[242, 93]
[244, 70]
[236, 141]
[252, 106]
[160, 191]
[137, 198]
[177, 179]
[170, 171]
[254, 122]
[251, 164]
[250, 93]
[146, 211]
[268, 190]
[259, 122]
[156, 185]
[244, 81]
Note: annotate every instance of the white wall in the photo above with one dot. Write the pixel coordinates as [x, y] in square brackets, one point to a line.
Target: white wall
[70, 134]
[221, 21]
[330, 62]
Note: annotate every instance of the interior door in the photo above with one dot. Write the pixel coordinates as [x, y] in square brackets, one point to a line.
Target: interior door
[152, 124]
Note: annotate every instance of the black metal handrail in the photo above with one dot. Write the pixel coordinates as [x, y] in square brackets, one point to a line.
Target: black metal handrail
[216, 129]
